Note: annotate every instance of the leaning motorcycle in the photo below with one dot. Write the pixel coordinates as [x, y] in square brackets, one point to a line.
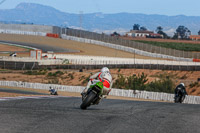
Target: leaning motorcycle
[179, 97]
[53, 91]
[93, 95]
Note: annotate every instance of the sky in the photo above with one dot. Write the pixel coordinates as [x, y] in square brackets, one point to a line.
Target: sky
[167, 7]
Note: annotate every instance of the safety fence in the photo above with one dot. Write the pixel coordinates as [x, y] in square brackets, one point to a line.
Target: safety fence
[31, 59]
[35, 66]
[60, 59]
[23, 32]
[125, 48]
[102, 60]
[158, 96]
[129, 43]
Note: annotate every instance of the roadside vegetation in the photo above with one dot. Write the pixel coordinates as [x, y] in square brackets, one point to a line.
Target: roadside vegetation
[174, 45]
[36, 72]
[159, 81]
[139, 82]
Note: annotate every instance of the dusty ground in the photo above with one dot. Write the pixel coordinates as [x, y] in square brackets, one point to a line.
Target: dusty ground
[21, 52]
[86, 49]
[76, 78]
[4, 47]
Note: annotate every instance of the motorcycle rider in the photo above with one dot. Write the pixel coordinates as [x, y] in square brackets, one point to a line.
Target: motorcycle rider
[181, 89]
[53, 91]
[105, 77]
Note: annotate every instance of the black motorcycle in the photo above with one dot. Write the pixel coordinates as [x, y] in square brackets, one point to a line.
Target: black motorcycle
[179, 96]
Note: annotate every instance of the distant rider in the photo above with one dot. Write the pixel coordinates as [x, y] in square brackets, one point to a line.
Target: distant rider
[181, 89]
[105, 77]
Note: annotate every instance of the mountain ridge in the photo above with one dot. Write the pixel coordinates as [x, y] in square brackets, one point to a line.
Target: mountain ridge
[99, 22]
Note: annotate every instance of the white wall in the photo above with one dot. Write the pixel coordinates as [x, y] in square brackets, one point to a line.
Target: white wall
[114, 92]
[95, 60]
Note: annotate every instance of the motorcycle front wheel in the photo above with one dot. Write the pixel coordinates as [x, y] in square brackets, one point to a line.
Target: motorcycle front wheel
[88, 100]
[177, 99]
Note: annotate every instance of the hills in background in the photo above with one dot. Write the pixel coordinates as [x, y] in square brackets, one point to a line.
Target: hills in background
[98, 22]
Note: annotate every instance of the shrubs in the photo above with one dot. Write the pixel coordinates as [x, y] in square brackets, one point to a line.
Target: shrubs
[57, 73]
[36, 72]
[86, 80]
[162, 85]
[132, 82]
[194, 84]
[139, 82]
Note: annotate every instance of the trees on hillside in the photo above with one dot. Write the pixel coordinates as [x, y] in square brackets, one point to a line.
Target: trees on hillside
[143, 28]
[182, 32]
[136, 27]
[199, 32]
[160, 31]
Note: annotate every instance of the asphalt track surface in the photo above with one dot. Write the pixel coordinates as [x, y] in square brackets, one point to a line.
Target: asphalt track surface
[20, 91]
[62, 115]
[44, 48]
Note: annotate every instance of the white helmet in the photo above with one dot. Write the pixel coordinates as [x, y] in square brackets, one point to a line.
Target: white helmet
[182, 84]
[105, 70]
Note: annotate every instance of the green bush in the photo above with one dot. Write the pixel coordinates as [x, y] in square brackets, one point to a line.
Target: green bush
[133, 82]
[57, 73]
[86, 80]
[194, 84]
[120, 82]
[139, 82]
[136, 82]
[71, 75]
[36, 72]
[162, 85]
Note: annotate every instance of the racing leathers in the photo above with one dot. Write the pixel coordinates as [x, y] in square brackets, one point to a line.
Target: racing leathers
[105, 78]
[180, 88]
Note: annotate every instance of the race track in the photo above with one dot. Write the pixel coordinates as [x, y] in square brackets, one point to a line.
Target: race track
[44, 48]
[20, 91]
[63, 115]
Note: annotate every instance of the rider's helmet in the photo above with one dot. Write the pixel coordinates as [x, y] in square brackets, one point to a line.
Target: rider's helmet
[182, 84]
[105, 70]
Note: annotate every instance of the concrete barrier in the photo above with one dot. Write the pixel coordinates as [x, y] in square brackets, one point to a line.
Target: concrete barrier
[102, 60]
[159, 96]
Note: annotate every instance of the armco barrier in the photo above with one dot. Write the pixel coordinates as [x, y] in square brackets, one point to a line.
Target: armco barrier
[114, 92]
